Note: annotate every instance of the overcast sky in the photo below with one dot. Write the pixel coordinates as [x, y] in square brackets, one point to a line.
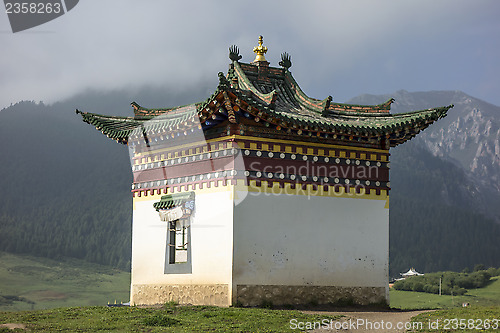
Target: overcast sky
[338, 48]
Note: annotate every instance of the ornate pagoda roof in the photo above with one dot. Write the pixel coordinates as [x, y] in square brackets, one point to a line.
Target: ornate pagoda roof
[255, 98]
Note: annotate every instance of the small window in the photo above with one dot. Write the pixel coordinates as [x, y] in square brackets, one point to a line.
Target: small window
[178, 241]
[176, 210]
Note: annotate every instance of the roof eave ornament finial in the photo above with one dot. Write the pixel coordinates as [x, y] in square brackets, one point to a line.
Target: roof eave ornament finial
[260, 51]
[234, 53]
[286, 60]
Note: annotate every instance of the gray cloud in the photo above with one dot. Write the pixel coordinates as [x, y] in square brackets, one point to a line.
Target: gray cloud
[342, 48]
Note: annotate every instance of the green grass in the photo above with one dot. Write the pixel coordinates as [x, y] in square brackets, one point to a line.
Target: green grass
[170, 318]
[38, 283]
[470, 319]
[487, 296]
[484, 305]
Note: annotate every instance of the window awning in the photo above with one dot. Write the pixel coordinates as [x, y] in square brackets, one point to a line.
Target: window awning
[172, 207]
[174, 200]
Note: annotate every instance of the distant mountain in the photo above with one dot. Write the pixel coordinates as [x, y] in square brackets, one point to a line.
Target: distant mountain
[469, 137]
[66, 187]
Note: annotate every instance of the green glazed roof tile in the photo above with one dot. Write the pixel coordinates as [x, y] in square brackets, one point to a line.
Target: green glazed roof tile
[173, 200]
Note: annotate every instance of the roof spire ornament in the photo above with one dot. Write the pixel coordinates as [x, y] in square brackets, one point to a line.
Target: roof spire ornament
[234, 53]
[260, 51]
[286, 60]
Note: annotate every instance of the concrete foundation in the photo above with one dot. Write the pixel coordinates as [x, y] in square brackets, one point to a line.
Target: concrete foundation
[255, 295]
[216, 294]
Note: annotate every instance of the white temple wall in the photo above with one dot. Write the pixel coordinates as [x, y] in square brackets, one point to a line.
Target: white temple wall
[211, 252]
[295, 240]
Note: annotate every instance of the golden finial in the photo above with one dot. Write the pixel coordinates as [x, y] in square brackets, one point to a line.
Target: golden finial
[260, 51]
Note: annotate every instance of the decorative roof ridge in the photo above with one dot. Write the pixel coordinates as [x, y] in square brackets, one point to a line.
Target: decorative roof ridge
[385, 114]
[313, 104]
[442, 111]
[137, 107]
[140, 119]
[142, 112]
[434, 113]
[84, 113]
[361, 108]
[246, 84]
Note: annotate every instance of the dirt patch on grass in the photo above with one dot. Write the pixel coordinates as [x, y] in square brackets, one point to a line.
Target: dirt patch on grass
[13, 326]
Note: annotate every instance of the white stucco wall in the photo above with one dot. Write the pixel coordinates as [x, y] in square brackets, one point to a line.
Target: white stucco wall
[211, 241]
[323, 241]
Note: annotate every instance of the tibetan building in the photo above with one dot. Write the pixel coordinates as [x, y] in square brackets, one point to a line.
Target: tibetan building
[261, 193]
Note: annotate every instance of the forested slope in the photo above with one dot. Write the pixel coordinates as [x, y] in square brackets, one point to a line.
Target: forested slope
[433, 223]
[65, 190]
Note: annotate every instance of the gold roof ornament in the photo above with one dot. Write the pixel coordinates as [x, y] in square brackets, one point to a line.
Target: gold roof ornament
[260, 51]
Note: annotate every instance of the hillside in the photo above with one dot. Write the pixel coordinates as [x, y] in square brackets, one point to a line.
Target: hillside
[434, 224]
[67, 190]
[38, 283]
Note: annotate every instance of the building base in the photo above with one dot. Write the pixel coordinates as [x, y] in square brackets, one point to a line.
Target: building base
[255, 295]
[208, 294]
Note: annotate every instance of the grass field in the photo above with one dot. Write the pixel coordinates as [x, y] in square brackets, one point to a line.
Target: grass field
[469, 319]
[28, 283]
[487, 296]
[170, 318]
